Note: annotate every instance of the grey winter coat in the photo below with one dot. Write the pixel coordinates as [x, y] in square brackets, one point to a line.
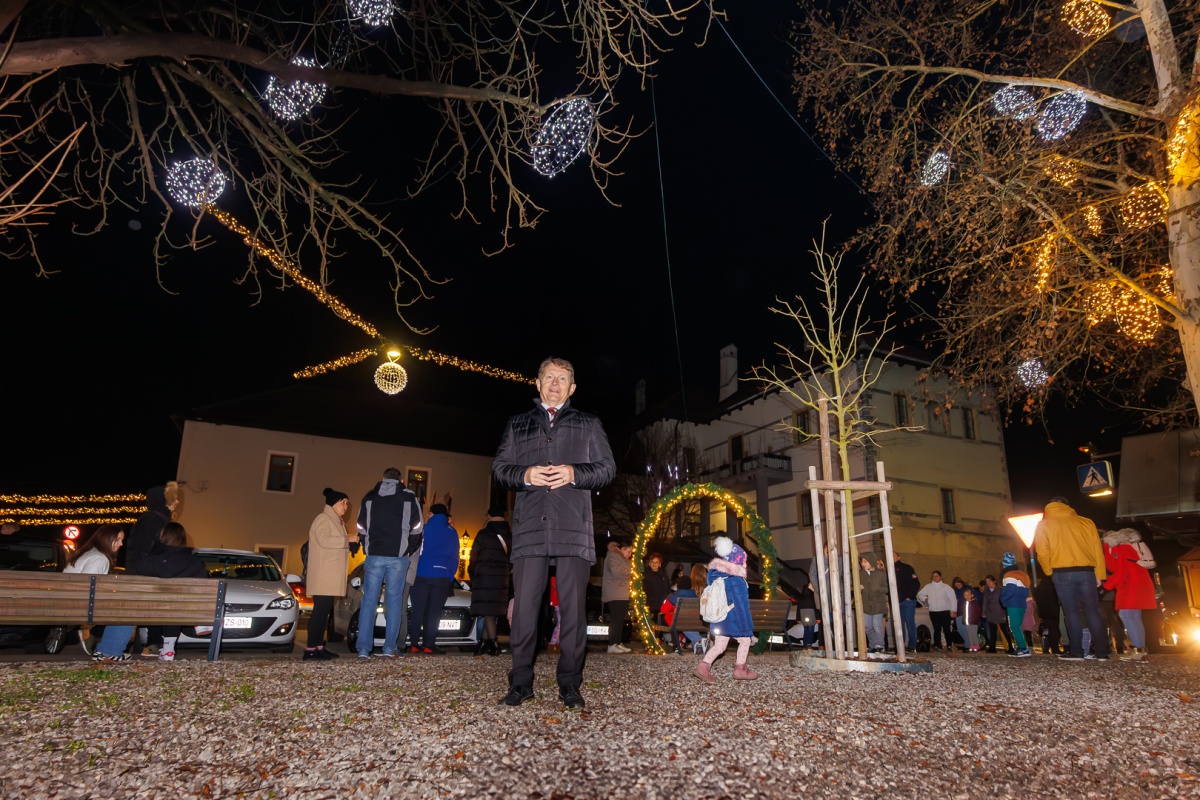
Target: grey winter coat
[992, 610]
[558, 522]
[615, 584]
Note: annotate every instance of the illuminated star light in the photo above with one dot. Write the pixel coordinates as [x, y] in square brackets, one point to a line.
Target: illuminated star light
[1061, 115]
[372, 12]
[1015, 102]
[291, 101]
[563, 136]
[195, 183]
[1032, 373]
[935, 169]
[1086, 17]
[391, 378]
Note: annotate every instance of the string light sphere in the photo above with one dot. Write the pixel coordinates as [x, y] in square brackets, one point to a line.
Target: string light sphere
[1099, 302]
[1032, 373]
[391, 378]
[291, 101]
[1086, 17]
[1091, 218]
[1137, 316]
[1061, 115]
[372, 12]
[563, 136]
[935, 169]
[1043, 262]
[1143, 206]
[195, 183]
[1015, 102]
[1063, 172]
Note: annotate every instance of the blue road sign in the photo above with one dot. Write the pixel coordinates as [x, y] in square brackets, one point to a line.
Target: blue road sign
[1095, 477]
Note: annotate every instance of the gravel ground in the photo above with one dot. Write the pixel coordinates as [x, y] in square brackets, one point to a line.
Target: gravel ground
[978, 726]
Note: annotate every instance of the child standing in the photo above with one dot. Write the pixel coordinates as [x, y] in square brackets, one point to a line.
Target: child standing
[730, 564]
[1014, 591]
[970, 611]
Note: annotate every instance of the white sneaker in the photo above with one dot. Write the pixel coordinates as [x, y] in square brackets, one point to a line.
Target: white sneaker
[166, 655]
[616, 648]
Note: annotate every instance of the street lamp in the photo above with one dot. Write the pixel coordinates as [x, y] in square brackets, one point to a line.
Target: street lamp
[1026, 528]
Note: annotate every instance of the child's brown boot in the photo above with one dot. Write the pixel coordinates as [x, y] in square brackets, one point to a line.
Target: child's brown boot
[704, 673]
[744, 673]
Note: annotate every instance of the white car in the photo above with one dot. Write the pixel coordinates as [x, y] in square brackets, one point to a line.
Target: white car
[260, 608]
[456, 628]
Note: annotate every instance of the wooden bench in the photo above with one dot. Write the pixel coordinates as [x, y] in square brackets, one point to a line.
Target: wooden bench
[768, 615]
[61, 600]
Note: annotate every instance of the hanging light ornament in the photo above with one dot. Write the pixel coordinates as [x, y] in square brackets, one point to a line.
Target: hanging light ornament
[1144, 206]
[1015, 102]
[563, 136]
[1091, 218]
[1061, 115]
[1032, 373]
[291, 101]
[1183, 148]
[372, 12]
[1063, 172]
[1043, 262]
[1086, 17]
[935, 169]
[1166, 283]
[391, 378]
[195, 183]
[1137, 316]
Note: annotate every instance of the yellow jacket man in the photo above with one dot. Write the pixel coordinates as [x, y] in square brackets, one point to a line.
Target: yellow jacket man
[1069, 549]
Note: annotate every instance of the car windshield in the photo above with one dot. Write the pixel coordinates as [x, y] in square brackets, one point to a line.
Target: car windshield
[25, 556]
[240, 567]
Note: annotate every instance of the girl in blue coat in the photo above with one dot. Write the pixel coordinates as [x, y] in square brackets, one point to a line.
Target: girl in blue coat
[730, 564]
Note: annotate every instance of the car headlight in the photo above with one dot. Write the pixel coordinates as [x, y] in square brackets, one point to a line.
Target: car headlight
[283, 602]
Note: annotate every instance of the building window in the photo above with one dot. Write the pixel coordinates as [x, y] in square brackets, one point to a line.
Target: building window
[736, 451]
[803, 422]
[418, 482]
[281, 472]
[874, 512]
[968, 417]
[900, 399]
[948, 507]
[806, 518]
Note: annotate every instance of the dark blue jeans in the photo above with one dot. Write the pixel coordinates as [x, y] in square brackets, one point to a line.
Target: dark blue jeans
[1080, 602]
[908, 616]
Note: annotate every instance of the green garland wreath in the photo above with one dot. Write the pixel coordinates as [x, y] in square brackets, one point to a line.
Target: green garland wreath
[691, 491]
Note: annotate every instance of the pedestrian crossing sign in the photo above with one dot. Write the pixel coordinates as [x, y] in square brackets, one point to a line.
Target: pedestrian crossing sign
[1096, 477]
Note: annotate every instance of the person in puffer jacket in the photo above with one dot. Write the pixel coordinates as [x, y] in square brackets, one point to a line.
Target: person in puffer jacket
[435, 576]
[1014, 591]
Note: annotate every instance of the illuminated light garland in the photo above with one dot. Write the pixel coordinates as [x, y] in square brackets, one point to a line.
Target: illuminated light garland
[1061, 115]
[1144, 206]
[1043, 262]
[42, 499]
[646, 530]
[1091, 218]
[59, 511]
[935, 169]
[1183, 147]
[195, 183]
[443, 360]
[1015, 102]
[391, 378]
[1166, 283]
[58, 521]
[1086, 17]
[287, 268]
[1136, 315]
[563, 137]
[1063, 172]
[291, 101]
[335, 364]
[1032, 373]
[372, 12]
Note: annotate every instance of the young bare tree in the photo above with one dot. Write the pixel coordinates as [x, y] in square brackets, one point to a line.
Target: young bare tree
[277, 93]
[839, 361]
[656, 462]
[1035, 171]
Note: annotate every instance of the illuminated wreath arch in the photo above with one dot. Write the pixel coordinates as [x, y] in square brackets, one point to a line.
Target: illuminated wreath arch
[759, 532]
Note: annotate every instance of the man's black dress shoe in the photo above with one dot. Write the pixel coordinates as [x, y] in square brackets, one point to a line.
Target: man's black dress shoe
[570, 697]
[517, 695]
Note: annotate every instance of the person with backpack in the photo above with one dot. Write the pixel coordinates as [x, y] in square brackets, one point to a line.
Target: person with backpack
[1129, 560]
[1014, 591]
[725, 605]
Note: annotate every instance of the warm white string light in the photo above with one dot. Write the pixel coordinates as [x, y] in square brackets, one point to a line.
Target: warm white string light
[935, 169]
[195, 183]
[291, 101]
[1015, 102]
[1086, 17]
[1061, 115]
[563, 136]
[1032, 373]
[372, 12]
[391, 378]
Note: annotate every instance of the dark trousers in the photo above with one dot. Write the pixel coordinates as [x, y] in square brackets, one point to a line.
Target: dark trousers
[428, 599]
[940, 620]
[529, 586]
[319, 621]
[1077, 593]
[994, 630]
[615, 612]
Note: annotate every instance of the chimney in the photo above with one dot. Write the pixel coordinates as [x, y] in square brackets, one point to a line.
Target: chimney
[729, 372]
[639, 397]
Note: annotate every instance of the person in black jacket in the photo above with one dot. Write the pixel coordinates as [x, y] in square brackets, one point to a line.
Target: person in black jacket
[162, 503]
[170, 557]
[553, 456]
[488, 573]
[907, 586]
[655, 584]
[389, 530]
[1047, 610]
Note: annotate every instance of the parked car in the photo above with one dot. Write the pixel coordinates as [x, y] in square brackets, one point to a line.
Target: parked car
[24, 553]
[260, 608]
[455, 629]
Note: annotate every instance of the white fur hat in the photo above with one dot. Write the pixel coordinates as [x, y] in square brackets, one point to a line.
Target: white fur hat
[723, 545]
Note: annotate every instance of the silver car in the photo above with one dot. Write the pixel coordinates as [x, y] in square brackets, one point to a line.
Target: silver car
[455, 629]
[260, 607]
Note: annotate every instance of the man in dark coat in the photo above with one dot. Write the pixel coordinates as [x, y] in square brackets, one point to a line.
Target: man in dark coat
[554, 457]
[488, 573]
[161, 502]
[907, 586]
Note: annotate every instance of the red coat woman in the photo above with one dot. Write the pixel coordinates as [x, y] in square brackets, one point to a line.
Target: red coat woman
[1123, 550]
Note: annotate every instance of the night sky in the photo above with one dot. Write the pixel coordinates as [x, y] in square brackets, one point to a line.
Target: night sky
[98, 356]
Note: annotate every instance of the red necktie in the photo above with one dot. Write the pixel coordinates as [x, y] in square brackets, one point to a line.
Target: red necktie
[552, 411]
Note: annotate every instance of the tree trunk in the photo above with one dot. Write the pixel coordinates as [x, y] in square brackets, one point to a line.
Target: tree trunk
[1183, 225]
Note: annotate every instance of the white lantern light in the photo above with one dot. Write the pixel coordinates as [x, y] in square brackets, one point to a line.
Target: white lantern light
[935, 169]
[1061, 115]
[372, 12]
[291, 101]
[1032, 373]
[391, 378]
[563, 136]
[1015, 102]
[195, 183]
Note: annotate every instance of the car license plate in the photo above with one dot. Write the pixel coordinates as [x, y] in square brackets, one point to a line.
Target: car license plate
[448, 625]
[238, 623]
[597, 630]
